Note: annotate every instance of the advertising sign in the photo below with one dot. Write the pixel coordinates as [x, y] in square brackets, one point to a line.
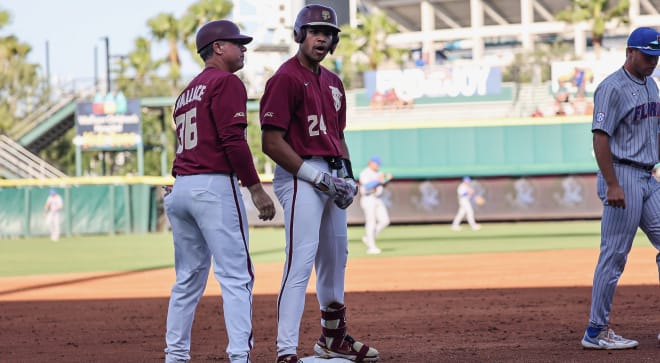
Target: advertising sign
[108, 123]
[465, 80]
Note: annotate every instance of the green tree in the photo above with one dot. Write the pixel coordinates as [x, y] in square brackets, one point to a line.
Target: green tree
[365, 47]
[22, 89]
[597, 13]
[165, 26]
[197, 15]
[136, 74]
[176, 31]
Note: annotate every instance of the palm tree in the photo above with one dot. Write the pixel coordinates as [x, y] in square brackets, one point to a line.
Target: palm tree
[598, 13]
[165, 26]
[197, 15]
[144, 81]
[21, 87]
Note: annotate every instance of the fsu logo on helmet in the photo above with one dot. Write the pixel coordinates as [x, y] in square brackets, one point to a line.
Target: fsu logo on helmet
[325, 15]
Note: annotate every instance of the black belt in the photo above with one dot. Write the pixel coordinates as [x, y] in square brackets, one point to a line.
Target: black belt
[333, 161]
[634, 164]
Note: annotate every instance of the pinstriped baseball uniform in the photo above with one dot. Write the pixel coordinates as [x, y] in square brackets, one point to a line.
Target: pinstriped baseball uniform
[626, 109]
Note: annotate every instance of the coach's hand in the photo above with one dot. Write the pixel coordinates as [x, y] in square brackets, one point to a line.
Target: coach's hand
[262, 201]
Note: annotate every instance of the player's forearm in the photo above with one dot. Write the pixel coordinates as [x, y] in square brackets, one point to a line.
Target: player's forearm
[274, 145]
[372, 185]
[604, 158]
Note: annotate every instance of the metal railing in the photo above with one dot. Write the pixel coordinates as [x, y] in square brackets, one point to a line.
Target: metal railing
[21, 163]
[43, 113]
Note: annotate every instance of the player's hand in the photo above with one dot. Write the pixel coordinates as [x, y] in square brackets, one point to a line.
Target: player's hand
[336, 188]
[615, 197]
[347, 200]
[352, 184]
[343, 203]
[262, 201]
[330, 185]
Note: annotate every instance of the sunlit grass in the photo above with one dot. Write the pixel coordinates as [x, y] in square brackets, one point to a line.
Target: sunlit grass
[150, 251]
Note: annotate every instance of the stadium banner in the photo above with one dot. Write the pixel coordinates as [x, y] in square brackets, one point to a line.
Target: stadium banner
[108, 123]
[450, 81]
[557, 197]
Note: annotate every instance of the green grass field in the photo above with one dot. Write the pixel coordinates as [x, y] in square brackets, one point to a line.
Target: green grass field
[151, 251]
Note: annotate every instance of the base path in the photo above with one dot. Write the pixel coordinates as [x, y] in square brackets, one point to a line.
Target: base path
[525, 306]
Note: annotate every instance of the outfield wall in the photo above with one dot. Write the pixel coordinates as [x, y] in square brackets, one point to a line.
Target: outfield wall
[91, 206]
[134, 205]
[559, 197]
[489, 147]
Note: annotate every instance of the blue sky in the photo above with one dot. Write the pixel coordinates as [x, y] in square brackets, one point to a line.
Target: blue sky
[73, 28]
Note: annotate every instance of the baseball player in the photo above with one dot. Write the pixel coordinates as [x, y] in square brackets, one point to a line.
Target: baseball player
[205, 206]
[303, 116]
[465, 193]
[53, 209]
[625, 141]
[376, 218]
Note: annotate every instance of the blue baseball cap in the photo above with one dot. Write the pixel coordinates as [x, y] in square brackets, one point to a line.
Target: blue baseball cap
[647, 40]
[52, 191]
[467, 179]
[376, 160]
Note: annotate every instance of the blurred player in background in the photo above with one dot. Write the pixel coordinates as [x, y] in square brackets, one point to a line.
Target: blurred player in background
[625, 142]
[376, 217]
[303, 116]
[205, 206]
[53, 211]
[466, 194]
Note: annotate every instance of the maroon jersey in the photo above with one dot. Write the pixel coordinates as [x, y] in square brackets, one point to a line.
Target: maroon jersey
[311, 109]
[210, 117]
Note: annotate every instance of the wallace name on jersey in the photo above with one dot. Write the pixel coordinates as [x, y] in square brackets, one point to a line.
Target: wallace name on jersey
[189, 95]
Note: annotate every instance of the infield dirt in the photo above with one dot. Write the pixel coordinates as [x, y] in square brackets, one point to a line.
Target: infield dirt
[504, 307]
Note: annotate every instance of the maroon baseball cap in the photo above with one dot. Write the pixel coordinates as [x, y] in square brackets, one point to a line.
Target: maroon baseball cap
[647, 40]
[220, 30]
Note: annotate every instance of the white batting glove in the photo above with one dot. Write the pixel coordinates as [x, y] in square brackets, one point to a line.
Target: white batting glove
[347, 200]
[334, 187]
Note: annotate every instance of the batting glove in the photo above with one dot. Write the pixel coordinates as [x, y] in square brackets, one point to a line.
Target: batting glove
[332, 186]
[344, 202]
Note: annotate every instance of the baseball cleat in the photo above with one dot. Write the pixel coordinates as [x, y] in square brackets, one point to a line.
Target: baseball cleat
[348, 349]
[288, 358]
[607, 339]
[373, 251]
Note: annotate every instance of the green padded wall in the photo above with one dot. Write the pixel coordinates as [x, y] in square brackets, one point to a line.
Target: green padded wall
[518, 149]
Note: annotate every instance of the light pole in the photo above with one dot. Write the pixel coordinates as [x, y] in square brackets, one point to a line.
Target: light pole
[96, 70]
[107, 63]
[108, 88]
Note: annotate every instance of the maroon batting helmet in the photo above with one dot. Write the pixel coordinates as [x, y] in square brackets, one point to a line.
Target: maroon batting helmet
[316, 15]
[220, 30]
